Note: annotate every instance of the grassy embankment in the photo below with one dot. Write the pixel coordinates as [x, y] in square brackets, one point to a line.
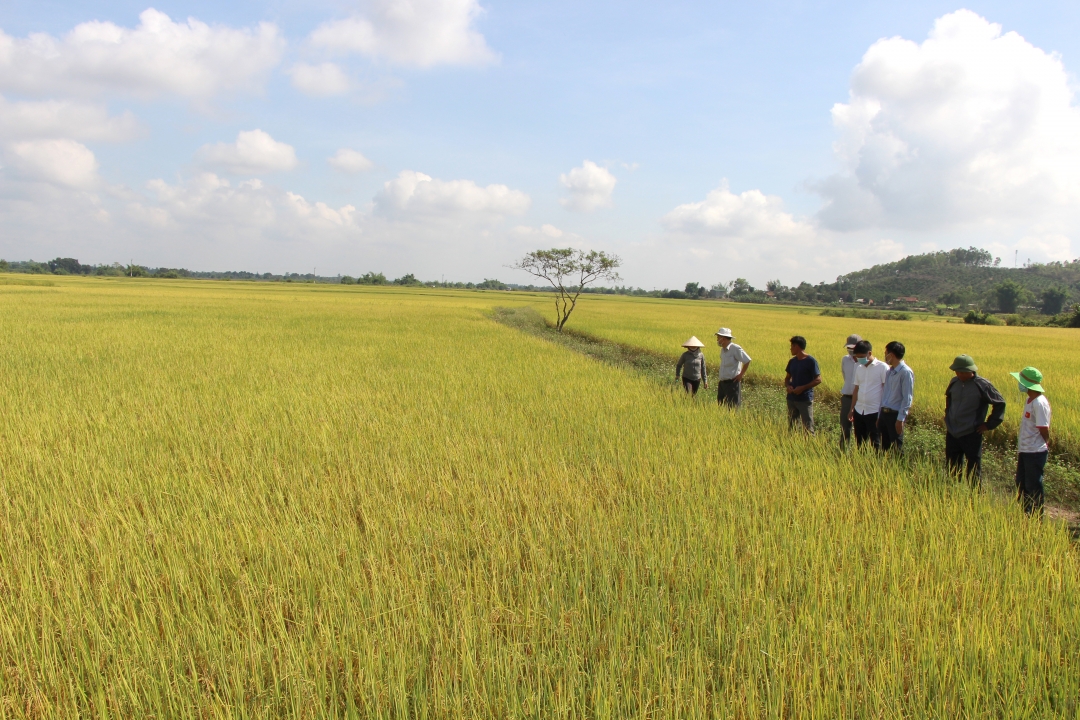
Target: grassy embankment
[240, 500]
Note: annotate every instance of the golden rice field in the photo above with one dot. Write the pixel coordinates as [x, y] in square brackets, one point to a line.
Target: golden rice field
[265, 501]
[663, 325]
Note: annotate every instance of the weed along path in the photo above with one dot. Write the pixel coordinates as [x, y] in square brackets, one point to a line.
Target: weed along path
[762, 396]
[255, 500]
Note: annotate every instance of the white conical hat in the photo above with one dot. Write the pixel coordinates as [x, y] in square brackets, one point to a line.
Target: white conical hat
[693, 342]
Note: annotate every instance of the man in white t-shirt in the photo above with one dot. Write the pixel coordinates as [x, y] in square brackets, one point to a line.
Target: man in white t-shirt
[1033, 446]
[866, 395]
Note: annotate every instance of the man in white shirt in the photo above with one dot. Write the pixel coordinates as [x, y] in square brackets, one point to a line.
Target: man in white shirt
[866, 394]
[847, 371]
[733, 365]
[1033, 446]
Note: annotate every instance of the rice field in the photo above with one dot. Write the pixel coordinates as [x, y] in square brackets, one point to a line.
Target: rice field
[248, 500]
[931, 344]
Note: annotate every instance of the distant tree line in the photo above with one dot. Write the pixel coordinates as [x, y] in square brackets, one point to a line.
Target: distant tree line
[967, 282]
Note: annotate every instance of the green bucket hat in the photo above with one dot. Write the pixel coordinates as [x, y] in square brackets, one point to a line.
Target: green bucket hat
[964, 363]
[1030, 378]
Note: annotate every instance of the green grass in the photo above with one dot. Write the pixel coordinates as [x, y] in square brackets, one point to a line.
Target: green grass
[226, 500]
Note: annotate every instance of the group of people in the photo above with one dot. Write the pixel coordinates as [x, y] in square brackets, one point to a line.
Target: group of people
[876, 398]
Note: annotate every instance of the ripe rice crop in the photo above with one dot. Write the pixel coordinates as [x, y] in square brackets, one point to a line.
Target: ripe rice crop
[226, 500]
[662, 325]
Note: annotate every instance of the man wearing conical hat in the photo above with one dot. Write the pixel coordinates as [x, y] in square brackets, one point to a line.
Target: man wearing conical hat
[967, 400]
[1033, 446]
[691, 366]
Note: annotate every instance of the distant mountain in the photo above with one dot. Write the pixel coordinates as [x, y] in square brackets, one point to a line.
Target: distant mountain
[961, 277]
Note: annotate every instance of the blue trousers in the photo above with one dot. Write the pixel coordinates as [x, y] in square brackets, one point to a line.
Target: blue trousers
[1029, 480]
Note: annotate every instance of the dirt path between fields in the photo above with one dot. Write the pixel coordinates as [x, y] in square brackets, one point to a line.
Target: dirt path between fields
[766, 397]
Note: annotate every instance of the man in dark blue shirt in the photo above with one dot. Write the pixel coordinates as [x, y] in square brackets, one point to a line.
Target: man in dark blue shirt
[803, 375]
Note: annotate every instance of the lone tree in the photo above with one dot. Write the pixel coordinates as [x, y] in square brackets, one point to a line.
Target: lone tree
[569, 271]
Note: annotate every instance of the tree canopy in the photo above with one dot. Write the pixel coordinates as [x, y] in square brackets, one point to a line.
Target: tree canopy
[569, 271]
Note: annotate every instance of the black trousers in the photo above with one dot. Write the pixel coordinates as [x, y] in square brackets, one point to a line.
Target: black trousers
[866, 429]
[691, 386]
[729, 392]
[969, 448]
[889, 436]
[845, 426]
[1029, 480]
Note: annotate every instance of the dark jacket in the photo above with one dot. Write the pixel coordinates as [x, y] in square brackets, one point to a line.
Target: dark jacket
[691, 365]
[966, 404]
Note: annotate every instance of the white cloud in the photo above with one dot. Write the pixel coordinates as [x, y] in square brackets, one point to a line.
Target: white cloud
[590, 187]
[415, 33]
[969, 137]
[190, 59]
[418, 195]
[64, 118]
[748, 216]
[751, 234]
[253, 152]
[548, 235]
[350, 161]
[61, 162]
[250, 207]
[972, 126]
[1035, 245]
[323, 80]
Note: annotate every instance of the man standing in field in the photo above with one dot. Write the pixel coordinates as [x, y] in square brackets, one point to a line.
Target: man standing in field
[847, 371]
[866, 396]
[803, 375]
[896, 398]
[733, 365]
[1034, 443]
[967, 399]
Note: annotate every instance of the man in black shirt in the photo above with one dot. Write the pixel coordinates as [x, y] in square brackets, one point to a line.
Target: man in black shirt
[967, 399]
[803, 375]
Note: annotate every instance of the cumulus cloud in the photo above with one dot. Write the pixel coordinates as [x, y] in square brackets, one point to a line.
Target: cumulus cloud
[190, 59]
[969, 137]
[213, 203]
[64, 118]
[349, 161]
[253, 152]
[413, 33]
[414, 194]
[546, 231]
[323, 80]
[971, 126]
[546, 235]
[589, 186]
[61, 162]
[748, 216]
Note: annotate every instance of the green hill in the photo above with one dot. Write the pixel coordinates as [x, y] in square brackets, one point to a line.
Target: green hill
[965, 277]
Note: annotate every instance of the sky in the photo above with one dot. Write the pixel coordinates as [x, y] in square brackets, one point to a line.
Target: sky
[698, 141]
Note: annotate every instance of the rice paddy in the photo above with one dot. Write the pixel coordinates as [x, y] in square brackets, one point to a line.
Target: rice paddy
[931, 343]
[256, 500]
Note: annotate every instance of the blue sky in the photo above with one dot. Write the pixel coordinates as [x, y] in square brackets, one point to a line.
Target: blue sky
[696, 140]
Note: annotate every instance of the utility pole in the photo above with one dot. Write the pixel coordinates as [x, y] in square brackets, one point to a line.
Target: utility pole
[131, 267]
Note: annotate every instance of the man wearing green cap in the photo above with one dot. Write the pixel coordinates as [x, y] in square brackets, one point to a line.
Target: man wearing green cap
[967, 399]
[1033, 446]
